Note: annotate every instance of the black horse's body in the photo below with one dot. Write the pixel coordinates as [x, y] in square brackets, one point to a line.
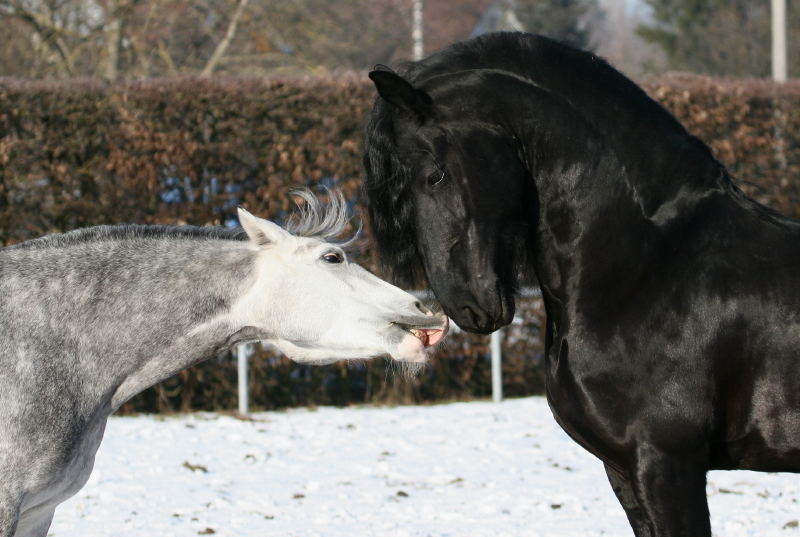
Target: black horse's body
[673, 300]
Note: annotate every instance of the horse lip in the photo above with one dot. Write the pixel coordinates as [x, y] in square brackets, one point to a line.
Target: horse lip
[435, 322]
[438, 321]
[429, 334]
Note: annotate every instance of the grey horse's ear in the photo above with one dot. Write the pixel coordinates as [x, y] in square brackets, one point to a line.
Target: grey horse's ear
[261, 232]
[399, 92]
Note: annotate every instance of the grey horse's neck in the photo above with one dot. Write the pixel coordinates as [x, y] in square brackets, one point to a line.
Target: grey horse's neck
[108, 312]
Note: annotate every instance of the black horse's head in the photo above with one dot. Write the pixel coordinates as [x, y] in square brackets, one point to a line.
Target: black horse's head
[448, 194]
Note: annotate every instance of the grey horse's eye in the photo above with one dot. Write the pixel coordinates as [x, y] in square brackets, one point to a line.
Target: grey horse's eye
[332, 257]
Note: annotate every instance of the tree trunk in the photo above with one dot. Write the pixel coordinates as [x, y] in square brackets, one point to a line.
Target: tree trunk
[113, 39]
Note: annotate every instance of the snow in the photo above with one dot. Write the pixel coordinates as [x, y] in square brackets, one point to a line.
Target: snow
[475, 469]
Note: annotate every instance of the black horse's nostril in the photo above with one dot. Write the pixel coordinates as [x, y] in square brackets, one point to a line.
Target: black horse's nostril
[480, 321]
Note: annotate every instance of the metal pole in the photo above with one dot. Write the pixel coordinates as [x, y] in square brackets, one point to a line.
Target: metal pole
[779, 69]
[779, 75]
[497, 359]
[243, 352]
[416, 29]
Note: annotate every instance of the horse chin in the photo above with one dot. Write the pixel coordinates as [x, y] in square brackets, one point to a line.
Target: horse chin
[410, 349]
[410, 356]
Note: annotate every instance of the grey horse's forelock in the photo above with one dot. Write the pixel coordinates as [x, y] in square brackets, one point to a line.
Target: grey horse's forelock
[324, 221]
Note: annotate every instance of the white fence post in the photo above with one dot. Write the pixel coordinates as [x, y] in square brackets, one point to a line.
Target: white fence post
[779, 69]
[497, 361]
[243, 353]
[416, 29]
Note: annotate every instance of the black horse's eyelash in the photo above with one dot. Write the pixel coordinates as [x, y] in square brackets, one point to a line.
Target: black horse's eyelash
[437, 177]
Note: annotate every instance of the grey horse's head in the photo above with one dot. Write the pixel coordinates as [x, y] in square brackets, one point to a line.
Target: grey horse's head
[317, 306]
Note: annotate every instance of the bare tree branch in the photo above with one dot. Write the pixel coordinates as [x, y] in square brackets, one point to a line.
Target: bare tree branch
[48, 32]
[142, 57]
[219, 52]
[166, 57]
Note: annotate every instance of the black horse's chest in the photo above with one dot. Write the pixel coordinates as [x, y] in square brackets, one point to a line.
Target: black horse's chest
[574, 403]
[607, 405]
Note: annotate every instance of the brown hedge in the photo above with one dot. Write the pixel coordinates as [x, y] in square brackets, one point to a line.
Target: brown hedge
[81, 153]
[752, 126]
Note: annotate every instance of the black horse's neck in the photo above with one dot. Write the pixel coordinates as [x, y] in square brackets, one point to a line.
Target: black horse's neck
[608, 204]
[645, 137]
[616, 183]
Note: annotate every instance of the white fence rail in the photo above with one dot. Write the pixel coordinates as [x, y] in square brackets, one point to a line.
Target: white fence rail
[246, 350]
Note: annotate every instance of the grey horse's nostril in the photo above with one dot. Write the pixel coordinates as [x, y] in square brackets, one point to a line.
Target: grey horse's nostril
[421, 307]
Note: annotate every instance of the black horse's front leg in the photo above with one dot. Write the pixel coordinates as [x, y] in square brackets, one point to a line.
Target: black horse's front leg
[624, 490]
[664, 495]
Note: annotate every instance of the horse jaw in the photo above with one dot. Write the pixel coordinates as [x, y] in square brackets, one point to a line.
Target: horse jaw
[401, 344]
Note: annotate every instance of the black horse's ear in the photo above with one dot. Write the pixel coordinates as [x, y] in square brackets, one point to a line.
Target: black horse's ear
[398, 92]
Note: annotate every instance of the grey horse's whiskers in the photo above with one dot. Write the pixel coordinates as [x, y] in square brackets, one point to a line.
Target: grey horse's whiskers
[406, 370]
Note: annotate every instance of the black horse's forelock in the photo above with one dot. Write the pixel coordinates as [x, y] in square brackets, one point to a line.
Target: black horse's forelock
[389, 207]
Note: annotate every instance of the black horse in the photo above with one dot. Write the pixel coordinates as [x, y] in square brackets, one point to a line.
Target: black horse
[672, 299]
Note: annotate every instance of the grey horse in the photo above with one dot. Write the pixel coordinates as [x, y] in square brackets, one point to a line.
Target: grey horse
[91, 317]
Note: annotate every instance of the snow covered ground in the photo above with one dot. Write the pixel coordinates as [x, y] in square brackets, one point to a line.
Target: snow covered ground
[457, 470]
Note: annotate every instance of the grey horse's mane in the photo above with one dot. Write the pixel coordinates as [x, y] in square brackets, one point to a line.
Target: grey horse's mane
[314, 219]
[130, 232]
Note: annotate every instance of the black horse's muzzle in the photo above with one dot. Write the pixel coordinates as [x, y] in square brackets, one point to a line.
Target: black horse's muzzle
[482, 316]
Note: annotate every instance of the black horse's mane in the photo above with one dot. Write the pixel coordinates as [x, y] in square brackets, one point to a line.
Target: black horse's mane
[643, 132]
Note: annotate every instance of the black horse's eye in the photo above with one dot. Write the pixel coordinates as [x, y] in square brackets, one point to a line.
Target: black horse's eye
[436, 177]
[332, 257]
